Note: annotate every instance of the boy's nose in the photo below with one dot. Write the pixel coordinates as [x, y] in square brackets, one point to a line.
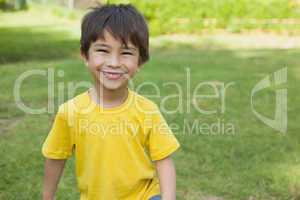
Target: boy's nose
[114, 61]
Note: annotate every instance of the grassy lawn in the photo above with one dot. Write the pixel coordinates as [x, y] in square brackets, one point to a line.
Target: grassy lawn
[252, 162]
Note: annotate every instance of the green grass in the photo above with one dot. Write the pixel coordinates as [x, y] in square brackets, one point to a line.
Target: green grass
[256, 161]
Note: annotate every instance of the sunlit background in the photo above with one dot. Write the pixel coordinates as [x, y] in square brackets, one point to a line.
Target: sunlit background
[221, 42]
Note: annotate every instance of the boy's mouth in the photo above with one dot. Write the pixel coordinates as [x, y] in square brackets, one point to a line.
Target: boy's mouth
[112, 75]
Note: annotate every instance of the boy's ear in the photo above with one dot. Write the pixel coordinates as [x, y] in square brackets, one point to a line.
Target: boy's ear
[84, 58]
[82, 55]
[140, 66]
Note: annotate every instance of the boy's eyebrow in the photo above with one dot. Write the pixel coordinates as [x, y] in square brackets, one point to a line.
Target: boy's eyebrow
[101, 45]
[108, 46]
[129, 47]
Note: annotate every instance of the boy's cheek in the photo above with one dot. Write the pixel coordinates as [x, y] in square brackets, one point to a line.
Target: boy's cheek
[94, 64]
[132, 74]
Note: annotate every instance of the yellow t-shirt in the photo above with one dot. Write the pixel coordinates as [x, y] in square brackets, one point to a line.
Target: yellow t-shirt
[114, 147]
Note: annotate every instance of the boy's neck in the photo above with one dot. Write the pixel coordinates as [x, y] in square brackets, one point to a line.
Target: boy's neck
[109, 98]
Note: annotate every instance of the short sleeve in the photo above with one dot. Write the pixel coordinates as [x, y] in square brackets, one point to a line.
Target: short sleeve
[162, 142]
[58, 144]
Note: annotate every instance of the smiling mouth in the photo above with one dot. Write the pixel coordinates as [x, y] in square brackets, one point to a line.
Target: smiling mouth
[112, 75]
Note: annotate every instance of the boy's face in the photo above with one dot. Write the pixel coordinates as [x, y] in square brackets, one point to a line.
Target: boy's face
[111, 63]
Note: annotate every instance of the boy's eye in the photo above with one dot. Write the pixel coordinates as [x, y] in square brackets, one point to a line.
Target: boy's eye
[127, 53]
[102, 50]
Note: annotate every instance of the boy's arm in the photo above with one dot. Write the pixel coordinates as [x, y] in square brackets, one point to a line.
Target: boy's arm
[167, 178]
[53, 172]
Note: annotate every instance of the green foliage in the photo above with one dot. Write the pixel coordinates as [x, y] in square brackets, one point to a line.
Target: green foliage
[3, 4]
[21, 4]
[171, 16]
[13, 4]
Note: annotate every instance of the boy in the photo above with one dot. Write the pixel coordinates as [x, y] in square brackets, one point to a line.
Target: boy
[121, 142]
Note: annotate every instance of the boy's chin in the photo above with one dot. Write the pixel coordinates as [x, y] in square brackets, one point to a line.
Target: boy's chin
[113, 87]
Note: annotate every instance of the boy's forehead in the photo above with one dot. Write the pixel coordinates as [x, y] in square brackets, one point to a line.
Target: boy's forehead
[110, 40]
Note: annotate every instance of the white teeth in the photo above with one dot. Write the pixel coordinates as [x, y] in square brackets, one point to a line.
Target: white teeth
[112, 75]
[113, 72]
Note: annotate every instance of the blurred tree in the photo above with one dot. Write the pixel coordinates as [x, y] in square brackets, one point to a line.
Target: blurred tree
[2, 4]
[20, 4]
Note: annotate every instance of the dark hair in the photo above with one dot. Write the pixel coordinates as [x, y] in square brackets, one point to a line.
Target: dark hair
[124, 22]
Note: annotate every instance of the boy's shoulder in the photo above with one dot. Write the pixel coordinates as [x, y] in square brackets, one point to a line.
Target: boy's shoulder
[75, 104]
[143, 103]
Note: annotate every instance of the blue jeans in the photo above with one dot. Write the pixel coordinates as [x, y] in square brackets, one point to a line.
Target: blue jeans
[156, 197]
